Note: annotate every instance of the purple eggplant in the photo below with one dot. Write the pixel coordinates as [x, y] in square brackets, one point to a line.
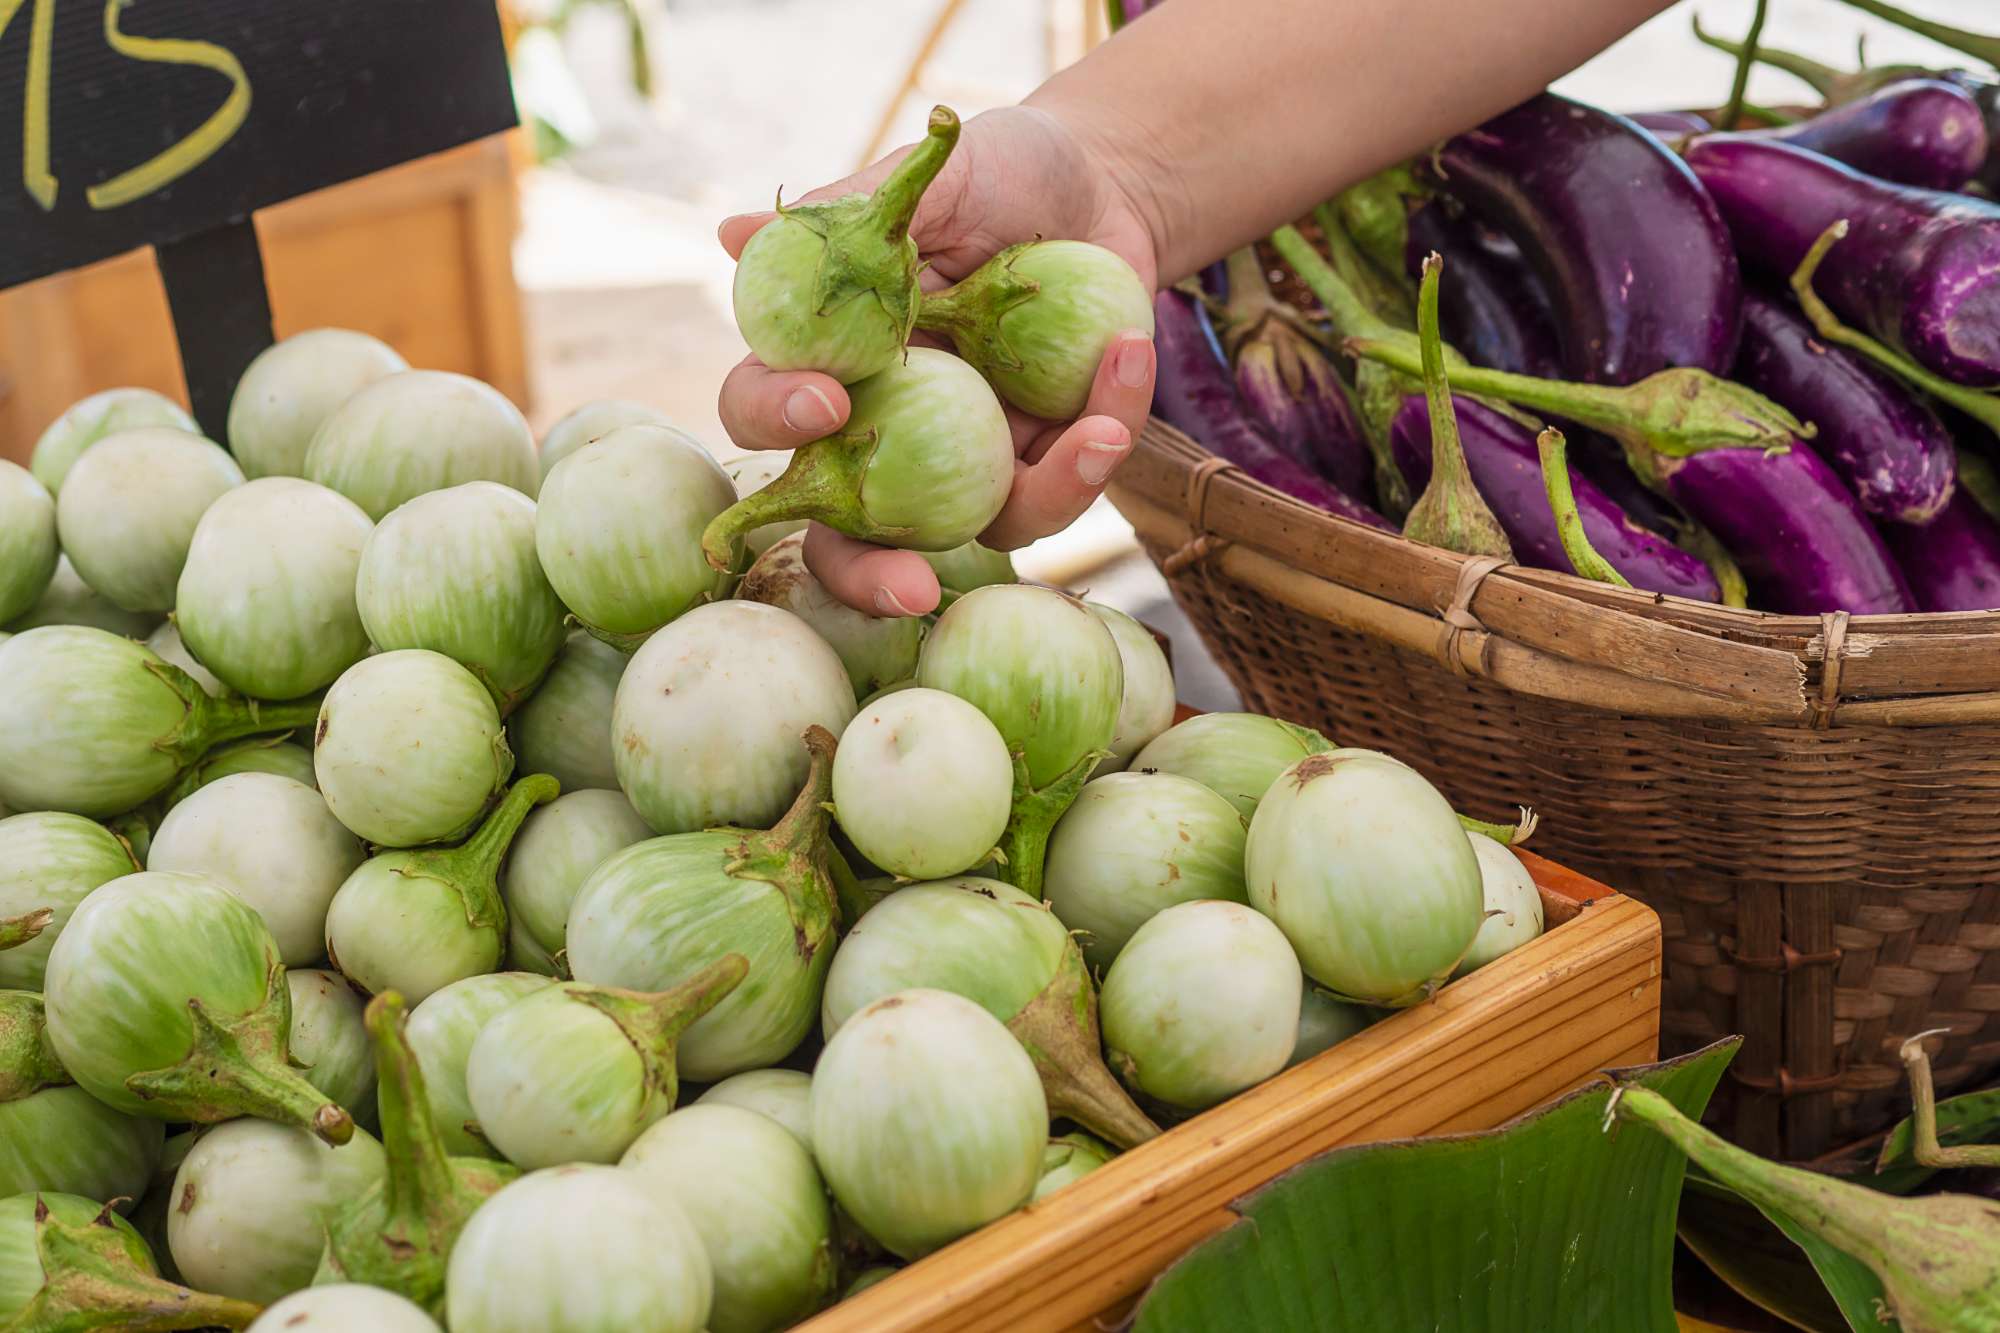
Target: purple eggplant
[1494, 312]
[1922, 132]
[1953, 562]
[1671, 125]
[1920, 269]
[1194, 392]
[1887, 445]
[1507, 469]
[1636, 261]
[1801, 538]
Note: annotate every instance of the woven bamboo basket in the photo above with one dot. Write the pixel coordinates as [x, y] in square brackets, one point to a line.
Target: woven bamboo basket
[1812, 804]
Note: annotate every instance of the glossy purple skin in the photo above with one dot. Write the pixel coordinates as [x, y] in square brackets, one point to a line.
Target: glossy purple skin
[1919, 269]
[1194, 392]
[1314, 423]
[1888, 447]
[1635, 259]
[1507, 468]
[1489, 305]
[1603, 462]
[1953, 562]
[1803, 543]
[1921, 132]
[1672, 125]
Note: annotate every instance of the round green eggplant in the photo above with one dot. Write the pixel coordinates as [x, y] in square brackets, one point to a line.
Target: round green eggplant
[1201, 1003]
[1146, 708]
[289, 390]
[558, 846]
[441, 1032]
[922, 784]
[591, 423]
[129, 507]
[876, 650]
[1068, 1158]
[266, 599]
[925, 461]
[455, 571]
[274, 844]
[1366, 869]
[752, 473]
[91, 419]
[68, 600]
[54, 1135]
[660, 911]
[757, 1201]
[1325, 1022]
[1037, 318]
[784, 1095]
[927, 1119]
[166, 643]
[95, 724]
[963, 568]
[344, 1307]
[417, 431]
[1513, 905]
[260, 754]
[68, 1262]
[28, 550]
[329, 1042]
[51, 860]
[166, 999]
[706, 725]
[832, 286]
[564, 727]
[1235, 755]
[409, 749]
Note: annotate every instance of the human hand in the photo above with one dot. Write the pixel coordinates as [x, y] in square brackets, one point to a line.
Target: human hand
[1018, 174]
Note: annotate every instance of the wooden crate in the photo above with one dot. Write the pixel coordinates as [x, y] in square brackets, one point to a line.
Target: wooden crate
[1532, 1025]
[419, 255]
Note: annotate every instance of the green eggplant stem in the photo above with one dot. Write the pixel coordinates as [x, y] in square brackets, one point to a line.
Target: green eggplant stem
[792, 856]
[1583, 557]
[1977, 479]
[91, 1281]
[1981, 407]
[653, 1021]
[823, 482]
[212, 722]
[1699, 541]
[1024, 846]
[1732, 110]
[1058, 1029]
[1925, 1147]
[1450, 513]
[1350, 314]
[419, 1167]
[894, 202]
[852, 899]
[1376, 214]
[1507, 835]
[1387, 299]
[1824, 79]
[18, 930]
[478, 858]
[1980, 46]
[969, 311]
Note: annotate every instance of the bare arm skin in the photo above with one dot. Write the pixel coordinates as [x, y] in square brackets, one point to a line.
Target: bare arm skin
[1195, 130]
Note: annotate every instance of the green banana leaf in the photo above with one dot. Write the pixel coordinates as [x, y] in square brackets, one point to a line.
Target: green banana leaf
[1546, 1223]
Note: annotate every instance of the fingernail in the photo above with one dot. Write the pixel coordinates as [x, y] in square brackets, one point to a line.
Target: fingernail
[1135, 363]
[809, 412]
[886, 602]
[722, 228]
[1096, 458]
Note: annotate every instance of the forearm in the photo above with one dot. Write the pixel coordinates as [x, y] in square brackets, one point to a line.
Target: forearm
[1220, 119]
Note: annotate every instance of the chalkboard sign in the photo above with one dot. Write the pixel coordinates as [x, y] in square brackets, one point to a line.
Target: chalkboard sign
[168, 122]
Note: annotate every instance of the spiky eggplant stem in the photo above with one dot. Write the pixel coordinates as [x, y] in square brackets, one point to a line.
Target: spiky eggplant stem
[1451, 513]
[1058, 1029]
[822, 482]
[91, 1281]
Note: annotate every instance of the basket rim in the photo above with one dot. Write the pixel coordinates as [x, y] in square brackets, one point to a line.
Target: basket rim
[1551, 633]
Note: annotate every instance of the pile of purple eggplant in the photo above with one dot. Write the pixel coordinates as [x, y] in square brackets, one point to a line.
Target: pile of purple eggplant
[1775, 352]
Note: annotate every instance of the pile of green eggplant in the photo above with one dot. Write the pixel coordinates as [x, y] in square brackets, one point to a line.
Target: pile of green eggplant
[446, 882]
[1774, 350]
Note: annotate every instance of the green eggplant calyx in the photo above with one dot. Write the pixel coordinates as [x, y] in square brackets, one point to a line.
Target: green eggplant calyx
[1058, 1029]
[1024, 846]
[18, 930]
[1376, 213]
[823, 481]
[1507, 835]
[1384, 295]
[793, 855]
[472, 869]
[1583, 557]
[92, 1280]
[241, 1066]
[28, 1063]
[1309, 740]
[653, 1021]
[1378, 396]
[207, 723]
[970, 312]
[1450, 513]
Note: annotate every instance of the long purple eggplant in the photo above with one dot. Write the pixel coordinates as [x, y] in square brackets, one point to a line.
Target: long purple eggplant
[1636, 261]
[1493, 309]
[1507, 469]
[1887, 445]
[1922, 132]
[1953, 562]
[1802, 541]
[1920, 269]
[1194, 391]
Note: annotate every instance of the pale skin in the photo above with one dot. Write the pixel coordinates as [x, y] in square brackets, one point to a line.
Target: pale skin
[1194, 131]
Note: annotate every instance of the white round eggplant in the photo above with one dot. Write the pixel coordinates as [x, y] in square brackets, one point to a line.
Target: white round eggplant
[417, 431]
[166, 644]
[705, 729]
[92, 419]
[1201, 1003]
[51, 860]
[557, 848]
[289, 390]
[1146, 708]
[344, 1307]
[591, 423]
[273, 843]
[782, 1094]
[441, 1032]
[876, 650]
[1235, 755]
[1513, 905]
[68, 600]
[1366, 869]
[129, 508]
[266, 599]
[1133, 845]
[756, 1199]
[455, 571]
[752, 473]
[329, 1040]
[928, 1120]
[409, 749]
[1325, 1022]
[922, 784]
[564, 727]
[578, 1248]
[28, 549]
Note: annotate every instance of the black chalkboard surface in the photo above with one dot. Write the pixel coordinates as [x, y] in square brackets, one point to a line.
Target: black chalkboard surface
[126, 123]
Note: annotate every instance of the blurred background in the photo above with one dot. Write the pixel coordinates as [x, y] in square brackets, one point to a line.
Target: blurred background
[577, 259]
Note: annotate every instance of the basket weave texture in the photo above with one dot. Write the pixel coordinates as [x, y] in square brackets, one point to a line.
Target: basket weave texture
[1811, 804]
